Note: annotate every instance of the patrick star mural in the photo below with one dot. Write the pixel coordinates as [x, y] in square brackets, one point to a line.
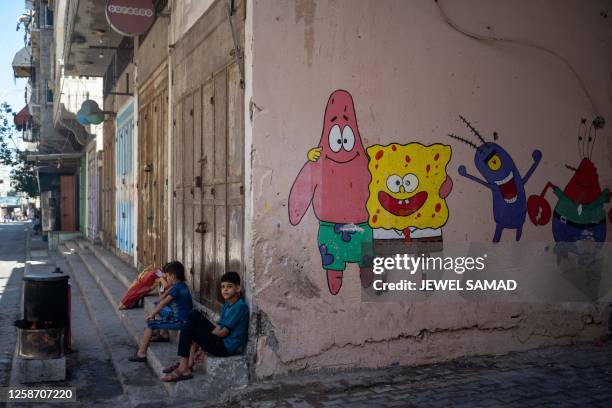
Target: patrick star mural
[335, 180]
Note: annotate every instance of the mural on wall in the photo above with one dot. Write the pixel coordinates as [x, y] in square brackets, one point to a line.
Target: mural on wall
[335, 180]
[579, 214]
[503, 179]
[408, 188]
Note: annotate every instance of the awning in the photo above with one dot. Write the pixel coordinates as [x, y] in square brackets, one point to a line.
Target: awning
[22, 119]
[53, 156]
[22, 63]
[11, 201]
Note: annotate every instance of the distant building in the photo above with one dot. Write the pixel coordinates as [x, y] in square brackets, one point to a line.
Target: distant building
[5, 181]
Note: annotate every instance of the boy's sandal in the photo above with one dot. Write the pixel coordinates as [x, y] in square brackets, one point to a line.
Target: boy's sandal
[174, 366]
[157, 338]
[171, 368]
[137, 359]
[176, 376]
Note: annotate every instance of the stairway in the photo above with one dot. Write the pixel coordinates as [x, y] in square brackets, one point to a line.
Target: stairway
[104, 278]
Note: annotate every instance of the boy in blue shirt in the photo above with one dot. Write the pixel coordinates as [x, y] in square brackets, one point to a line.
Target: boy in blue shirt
[173, 308]
[227, 337]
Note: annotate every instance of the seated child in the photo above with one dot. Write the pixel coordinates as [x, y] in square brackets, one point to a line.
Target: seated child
[227, 337]
[173, 309]
[162, 336]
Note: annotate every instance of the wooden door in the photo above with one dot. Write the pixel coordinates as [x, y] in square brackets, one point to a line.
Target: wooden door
[208, 151]
[67, 203]
[209, 179]
[108, 184]
[153, 163]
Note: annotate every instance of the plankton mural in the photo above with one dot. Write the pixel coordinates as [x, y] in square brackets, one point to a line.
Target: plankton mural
[504, 180]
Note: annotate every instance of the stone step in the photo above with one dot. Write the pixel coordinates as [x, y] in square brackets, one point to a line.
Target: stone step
[221, 374]
[159, 355]
[123, 272]
[138, 381]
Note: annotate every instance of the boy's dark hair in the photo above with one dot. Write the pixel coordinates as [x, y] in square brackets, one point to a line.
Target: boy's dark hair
[231, 277]
[175, 268]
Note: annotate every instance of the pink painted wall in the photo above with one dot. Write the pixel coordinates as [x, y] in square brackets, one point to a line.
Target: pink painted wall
[410, 76]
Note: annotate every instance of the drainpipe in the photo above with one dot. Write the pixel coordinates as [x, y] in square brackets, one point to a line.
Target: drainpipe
[169, 173]
[248, 244]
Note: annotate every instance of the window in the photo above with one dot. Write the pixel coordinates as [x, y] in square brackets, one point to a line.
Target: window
[46, 18]
[31, 135]
[48, 92]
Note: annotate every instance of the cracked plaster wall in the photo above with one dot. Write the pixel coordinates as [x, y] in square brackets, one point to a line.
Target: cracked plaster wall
[411, 76]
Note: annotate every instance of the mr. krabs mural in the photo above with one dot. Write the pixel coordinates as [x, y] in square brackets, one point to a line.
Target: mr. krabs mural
[408, 188]
[336, 183]
[579, 214]
[503, 179]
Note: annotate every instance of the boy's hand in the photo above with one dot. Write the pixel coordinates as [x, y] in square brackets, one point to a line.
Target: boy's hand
[314, 154]
[150, 317]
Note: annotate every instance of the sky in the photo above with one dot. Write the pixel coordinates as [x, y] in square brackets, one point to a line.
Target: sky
[11, 89]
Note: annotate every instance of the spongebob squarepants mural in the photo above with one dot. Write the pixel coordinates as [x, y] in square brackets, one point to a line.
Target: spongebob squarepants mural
[403, 190]
[408, 190]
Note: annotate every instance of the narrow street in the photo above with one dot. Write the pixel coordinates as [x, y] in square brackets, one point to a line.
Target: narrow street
[88, 366]
[352, 203]
[12, 256]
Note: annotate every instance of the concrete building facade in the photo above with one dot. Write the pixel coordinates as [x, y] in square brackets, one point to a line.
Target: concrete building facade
[208, 158]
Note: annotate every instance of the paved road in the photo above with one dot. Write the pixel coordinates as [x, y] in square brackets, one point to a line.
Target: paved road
[88, 368]
[12, 256]
[574, 376]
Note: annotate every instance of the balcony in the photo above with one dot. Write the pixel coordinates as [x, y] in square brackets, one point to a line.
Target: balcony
[22, 63]
[85, 34]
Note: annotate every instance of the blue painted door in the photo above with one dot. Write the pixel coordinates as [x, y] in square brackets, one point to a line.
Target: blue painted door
[125, 187]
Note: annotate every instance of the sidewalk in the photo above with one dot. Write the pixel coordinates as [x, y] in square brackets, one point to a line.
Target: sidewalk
[551, 377]
[578, 375]
[88, 366]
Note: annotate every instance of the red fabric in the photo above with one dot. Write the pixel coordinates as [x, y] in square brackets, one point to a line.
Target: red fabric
[138, 289]
[21, 119]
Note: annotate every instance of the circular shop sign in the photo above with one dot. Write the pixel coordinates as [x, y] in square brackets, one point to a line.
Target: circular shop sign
[130, 17]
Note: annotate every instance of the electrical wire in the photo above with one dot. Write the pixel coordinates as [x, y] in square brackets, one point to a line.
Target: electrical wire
[525, 43]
